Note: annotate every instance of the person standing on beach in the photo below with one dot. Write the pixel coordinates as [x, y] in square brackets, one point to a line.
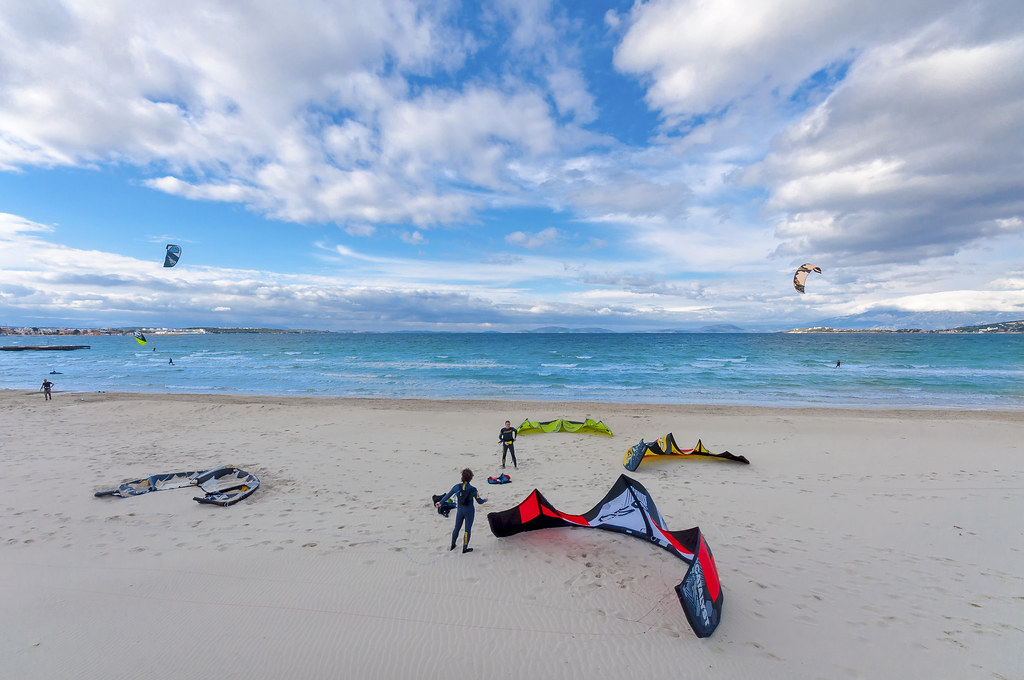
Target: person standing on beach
[45, 388]
[464, 493]
[507, 437]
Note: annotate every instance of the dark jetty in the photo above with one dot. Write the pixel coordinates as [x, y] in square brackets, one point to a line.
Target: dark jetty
[19, 348]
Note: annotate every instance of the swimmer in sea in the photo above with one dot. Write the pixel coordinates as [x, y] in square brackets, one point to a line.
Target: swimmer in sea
[464, 493]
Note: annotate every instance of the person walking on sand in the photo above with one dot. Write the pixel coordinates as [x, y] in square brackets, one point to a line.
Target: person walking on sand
[45, 388]
[464, 493]
[507, 437]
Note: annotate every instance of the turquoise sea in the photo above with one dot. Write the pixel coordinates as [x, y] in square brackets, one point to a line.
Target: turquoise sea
[878, 369]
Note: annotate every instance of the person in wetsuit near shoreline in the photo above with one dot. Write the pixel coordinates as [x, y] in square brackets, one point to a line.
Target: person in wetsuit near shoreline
[464, 493]
[507, 437]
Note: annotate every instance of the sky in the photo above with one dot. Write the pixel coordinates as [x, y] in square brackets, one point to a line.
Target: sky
[501, 166]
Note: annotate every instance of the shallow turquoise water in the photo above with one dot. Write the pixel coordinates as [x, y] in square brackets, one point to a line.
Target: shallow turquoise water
[878, 369]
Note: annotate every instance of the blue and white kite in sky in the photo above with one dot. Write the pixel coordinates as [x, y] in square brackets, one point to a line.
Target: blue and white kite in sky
[173, 253]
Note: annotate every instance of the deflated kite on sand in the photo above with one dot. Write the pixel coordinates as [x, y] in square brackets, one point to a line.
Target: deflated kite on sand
[629, 509]
[224, 486]
[666, 446]
[563, 425]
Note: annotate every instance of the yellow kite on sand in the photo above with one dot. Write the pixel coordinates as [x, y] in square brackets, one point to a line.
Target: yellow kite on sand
[666, 446]
[563, 425]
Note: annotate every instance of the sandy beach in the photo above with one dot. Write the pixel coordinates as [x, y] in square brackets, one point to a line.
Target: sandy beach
[857, 544]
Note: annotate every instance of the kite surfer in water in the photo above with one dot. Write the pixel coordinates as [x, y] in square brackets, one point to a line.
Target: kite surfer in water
[464, 494]
[507, 437]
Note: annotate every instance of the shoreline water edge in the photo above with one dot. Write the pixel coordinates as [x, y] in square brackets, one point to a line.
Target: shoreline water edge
[973, 372]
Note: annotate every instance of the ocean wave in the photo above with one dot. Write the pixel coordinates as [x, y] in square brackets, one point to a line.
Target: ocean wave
[768, 369]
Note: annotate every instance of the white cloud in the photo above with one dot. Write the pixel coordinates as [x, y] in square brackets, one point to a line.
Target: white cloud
[309, 115]
[962, 301]
[206, 192]
[12, 226]
[909, 148]
[360, 229]
[533, 241]
[882, 138]
[911, 158]
[93, 287]
[571, 95]
[415, 238]
[470, 135]
[303, 112]
[705, 56]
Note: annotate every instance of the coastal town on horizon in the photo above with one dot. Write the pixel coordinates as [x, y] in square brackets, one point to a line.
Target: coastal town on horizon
[990, 328]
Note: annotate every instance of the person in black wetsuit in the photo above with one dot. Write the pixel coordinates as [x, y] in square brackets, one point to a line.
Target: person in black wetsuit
[464, 493]
[507, 437]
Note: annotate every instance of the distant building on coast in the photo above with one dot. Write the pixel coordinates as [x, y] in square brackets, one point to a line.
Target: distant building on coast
[999, 327]
[39, 330]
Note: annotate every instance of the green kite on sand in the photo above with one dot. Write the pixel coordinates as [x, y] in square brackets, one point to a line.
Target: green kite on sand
[563, 425]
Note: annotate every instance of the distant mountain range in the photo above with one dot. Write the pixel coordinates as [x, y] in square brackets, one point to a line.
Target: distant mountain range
[892, 319]
[563, 329]
[717, 328]
[893, 323]
[883, 321]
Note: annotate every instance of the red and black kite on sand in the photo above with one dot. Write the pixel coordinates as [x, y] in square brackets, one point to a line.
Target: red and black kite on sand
[628, 508]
